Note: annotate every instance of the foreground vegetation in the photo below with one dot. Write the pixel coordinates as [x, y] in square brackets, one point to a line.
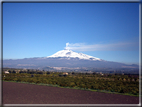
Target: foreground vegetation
[113, 83]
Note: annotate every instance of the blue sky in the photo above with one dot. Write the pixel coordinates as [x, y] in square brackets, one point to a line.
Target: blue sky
[109, 31]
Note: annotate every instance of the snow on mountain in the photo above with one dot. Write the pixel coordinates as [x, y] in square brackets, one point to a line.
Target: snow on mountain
[71, 54]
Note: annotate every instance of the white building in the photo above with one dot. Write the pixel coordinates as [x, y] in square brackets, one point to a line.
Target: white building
[6, 72]
[65, 73]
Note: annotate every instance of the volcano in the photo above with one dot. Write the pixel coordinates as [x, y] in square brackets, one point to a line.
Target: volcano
[65, 59]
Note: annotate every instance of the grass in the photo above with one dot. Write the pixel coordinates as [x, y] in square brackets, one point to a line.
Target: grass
[104, 91]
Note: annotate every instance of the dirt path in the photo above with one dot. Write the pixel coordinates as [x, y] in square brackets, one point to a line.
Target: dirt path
[20, 93]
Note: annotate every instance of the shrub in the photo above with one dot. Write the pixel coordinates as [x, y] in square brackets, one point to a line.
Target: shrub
[72, 84]
[82, 86]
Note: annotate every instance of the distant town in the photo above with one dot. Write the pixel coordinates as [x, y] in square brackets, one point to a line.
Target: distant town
[70, 70]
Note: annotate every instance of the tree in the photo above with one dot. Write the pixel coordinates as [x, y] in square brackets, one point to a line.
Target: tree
[48, 72]
[9, 71]
[13, 71]
[73, 73]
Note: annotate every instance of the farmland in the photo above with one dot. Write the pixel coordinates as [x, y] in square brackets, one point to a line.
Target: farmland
[44, 87]
[20, 93]
[124, 84]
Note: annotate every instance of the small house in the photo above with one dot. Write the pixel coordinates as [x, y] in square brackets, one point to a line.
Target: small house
[65, 73]
[6, 72]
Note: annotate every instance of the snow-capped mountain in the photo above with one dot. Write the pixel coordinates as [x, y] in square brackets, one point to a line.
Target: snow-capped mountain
[71, 54]
[65, 59]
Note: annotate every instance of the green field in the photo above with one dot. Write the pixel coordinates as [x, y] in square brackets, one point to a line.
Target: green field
[123, 84]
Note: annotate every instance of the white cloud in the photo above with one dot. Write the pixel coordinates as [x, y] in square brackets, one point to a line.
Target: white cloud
[123, 46]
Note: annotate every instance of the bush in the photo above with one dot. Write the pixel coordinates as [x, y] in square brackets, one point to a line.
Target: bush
[82, 86]
[72, 84]
[121, 91]
[15, 79]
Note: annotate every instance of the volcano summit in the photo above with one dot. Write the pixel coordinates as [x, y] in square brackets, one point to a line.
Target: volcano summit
[71, 54]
